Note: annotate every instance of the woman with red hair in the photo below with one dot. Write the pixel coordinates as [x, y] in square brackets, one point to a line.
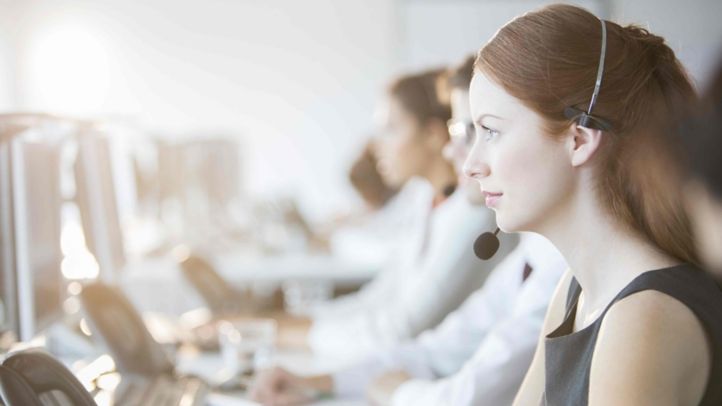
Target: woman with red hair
[569, 110]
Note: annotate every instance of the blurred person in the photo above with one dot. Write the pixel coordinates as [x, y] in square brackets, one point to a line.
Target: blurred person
[436, 269]
[433, 272]
[372, 233]
[367, 181]
[563, 101]
[701, 153]
[480, 352]
[461, 128]
[360, 229]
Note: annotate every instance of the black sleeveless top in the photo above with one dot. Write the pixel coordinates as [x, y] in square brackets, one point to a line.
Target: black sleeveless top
[569, 354]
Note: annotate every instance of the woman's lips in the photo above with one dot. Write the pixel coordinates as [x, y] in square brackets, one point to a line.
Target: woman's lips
[491, 199]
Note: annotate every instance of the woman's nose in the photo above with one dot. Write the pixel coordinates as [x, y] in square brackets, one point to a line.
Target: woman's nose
[475, 166]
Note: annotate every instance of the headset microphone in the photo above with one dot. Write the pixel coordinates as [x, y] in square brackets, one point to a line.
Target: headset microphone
[486, 245]
[449, 190]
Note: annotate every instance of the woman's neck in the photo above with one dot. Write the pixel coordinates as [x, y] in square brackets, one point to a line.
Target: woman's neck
[603, 254]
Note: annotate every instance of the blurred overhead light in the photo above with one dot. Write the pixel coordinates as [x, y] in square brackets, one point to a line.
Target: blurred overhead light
[67, 70]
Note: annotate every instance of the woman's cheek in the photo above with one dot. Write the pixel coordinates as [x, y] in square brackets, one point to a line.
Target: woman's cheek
[522, 176]
[515, 165]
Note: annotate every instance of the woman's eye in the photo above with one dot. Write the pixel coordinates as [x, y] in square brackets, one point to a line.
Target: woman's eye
[488, 133]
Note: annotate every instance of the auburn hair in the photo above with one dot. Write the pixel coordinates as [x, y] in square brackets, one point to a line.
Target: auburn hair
[457, 77]
[548, 59]
[366, 179]
[420, 96]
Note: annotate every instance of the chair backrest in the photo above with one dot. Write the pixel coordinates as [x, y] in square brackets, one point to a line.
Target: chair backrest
[34, 378]
[114, 320]
[218, 294]
[14, 390]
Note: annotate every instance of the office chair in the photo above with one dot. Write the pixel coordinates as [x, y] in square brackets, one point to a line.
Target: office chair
[218, 294]
[14, 390]
[34, 378]
[148, 373]
[121, 329]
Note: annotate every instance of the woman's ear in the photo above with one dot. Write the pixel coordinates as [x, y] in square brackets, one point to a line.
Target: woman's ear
[583, 143]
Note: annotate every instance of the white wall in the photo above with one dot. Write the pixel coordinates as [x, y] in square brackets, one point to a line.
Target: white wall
[297, 79]
[692, 28]
[8, 13]
[435, 32]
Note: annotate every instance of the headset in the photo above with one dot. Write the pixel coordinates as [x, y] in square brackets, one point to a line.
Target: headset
[585, 118]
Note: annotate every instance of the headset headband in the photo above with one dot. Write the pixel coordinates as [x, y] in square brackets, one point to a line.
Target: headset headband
[585, 118]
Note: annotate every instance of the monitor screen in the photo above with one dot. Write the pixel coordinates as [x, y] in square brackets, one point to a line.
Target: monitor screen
[97, 201]
[171, 172]
[202, 178]
[218, 167]
[8, 280]
[35, 172]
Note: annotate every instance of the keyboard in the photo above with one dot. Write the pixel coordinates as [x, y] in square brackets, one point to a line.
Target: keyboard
[161, 391]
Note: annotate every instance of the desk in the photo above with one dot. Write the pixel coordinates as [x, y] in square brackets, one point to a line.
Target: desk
[240, 268]
[157, 285]
[223, 400]
[208, 365]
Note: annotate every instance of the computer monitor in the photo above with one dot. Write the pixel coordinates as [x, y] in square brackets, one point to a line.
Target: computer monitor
[198, 184]
[36, 205]
[98, 205]
[218, 164]
[171, 171]
[8, 279]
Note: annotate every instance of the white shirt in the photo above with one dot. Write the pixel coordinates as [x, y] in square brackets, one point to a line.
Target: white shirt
[378, 237]
[406, 214]
[480, 353]
[419, 294]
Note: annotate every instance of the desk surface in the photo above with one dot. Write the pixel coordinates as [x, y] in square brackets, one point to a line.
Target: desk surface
[244, 267]
[209, 365]
[157, 284]
[225, 400]
[247, 266]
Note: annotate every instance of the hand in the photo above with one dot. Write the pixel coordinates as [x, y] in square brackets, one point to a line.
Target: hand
[382, 389]
[278, 387]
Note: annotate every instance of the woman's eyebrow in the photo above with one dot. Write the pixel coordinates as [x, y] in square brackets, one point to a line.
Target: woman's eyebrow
[487, 115]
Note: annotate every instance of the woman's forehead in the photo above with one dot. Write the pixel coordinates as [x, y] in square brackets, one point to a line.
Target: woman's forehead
[486, 97]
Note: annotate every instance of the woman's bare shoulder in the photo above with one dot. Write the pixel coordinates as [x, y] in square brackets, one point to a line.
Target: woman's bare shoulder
[651, 349]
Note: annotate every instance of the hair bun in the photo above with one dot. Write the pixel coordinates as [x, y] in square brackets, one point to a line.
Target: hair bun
[653, 46]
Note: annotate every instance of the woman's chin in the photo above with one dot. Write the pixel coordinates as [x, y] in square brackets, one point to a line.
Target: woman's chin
[507, 224]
